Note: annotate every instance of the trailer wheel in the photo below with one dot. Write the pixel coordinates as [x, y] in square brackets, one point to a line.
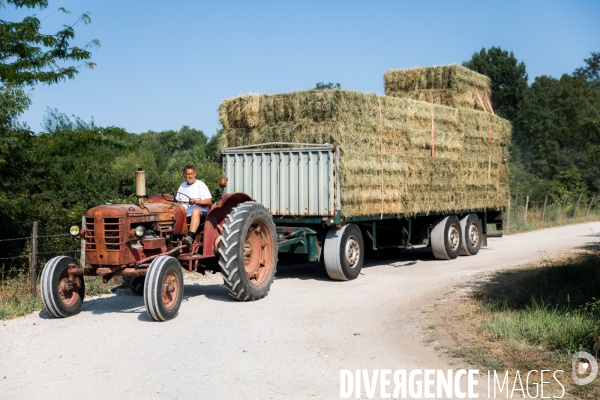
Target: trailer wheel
[62, 294]
[248, 252]
[344, 252]
[163, 289]
[470, 244]
[446, 237]
[135, 284]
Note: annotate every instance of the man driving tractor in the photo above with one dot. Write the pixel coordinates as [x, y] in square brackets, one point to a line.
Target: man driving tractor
[196, 198]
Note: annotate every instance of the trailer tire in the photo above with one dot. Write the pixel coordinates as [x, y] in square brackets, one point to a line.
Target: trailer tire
[163, 289]
[446, 237]
[135, 284]
[470, 226]
[248, 251]
[344, 252]
[62, 294]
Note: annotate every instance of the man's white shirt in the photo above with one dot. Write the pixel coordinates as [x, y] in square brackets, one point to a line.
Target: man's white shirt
[197, 190]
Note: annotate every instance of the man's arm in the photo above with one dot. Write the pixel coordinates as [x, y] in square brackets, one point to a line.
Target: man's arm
[206, 202]
[204, 198]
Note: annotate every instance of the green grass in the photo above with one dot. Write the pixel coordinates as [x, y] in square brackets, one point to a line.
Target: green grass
[554, 306]
[16, 299]
[554, 216]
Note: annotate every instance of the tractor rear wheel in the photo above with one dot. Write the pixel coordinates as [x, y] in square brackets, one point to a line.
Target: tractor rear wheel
[135, 284]
[62, 293]
[248, 251]
[163, 289]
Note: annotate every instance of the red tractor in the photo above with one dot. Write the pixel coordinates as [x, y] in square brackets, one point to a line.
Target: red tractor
[143, 243]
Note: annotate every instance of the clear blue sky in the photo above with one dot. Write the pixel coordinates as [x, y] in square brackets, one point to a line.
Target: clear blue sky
[167, 64]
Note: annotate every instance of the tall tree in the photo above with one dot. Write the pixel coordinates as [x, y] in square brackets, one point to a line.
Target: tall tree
[326, 86]
[15, 145]
[558, 130]
[509, 78]
[28, 56]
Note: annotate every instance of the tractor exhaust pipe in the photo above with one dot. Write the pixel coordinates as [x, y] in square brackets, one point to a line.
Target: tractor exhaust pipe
[140, 186]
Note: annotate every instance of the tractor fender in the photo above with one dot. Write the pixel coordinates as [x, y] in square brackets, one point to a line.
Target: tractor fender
[216, 219]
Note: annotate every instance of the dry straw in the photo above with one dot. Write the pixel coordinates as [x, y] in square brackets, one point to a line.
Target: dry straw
[464, 153]
[449, 85]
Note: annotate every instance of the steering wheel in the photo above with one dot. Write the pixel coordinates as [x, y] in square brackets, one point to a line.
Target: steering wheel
[182, 201]
[168, 197]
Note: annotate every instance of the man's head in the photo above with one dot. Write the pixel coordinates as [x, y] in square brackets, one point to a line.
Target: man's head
[189, 173]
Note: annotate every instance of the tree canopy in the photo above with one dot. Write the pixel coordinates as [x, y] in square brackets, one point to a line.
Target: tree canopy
[326, 86]
[29, 57]
[509, 78]
[555, 148]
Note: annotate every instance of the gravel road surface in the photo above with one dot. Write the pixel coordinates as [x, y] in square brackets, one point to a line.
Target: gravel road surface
[291, 344]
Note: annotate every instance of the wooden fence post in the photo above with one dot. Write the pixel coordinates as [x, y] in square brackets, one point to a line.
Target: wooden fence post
[544, 210]
[577, 206]
[526, 207]
[508, 212]
[563, 207]
[82, 255]
[590, 207]
[33, 265]
[517, 207]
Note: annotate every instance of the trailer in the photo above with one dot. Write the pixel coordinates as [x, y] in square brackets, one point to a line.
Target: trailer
[299, 185]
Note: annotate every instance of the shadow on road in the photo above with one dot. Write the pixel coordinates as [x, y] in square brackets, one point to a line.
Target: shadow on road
[126, 302]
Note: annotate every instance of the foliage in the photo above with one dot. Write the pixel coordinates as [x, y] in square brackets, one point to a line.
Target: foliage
[55, 176]
[15, 143]
[326, 86]
[509, 78]
[554, 306]
[558, 131]
[28, 57]
[555, 149]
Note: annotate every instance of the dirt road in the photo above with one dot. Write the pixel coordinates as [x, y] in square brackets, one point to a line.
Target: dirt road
[291, 344]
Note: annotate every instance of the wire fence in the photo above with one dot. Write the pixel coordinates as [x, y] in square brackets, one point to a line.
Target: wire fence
[23, 257]
[522, 210]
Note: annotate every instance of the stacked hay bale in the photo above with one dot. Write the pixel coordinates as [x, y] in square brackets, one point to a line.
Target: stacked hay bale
[468, 170]
[449, 85]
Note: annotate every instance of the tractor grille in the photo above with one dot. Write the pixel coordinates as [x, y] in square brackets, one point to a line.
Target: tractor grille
[113, 239]
[112, 230]
[90, 239]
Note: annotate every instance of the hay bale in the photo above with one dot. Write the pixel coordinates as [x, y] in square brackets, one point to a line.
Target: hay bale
[449, 85]
[457, 181]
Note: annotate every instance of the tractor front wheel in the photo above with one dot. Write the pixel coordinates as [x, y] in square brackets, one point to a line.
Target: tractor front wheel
[62, 293]
[163, 289]
[248, 251]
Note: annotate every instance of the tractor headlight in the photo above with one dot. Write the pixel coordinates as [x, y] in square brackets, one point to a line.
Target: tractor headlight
[139, 231]
[74, 230]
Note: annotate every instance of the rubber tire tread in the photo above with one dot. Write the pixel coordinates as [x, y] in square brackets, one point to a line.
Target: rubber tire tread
[132, 282]
[439, 238]
[231, 251]
[465, 244]
[153, 288]
[333, 253]
[49, 288]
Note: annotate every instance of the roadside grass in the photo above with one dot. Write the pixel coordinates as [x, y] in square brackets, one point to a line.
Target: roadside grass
[555, 306]
[534, 318]
[532, 225]
[554, 216]
[16, 299]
